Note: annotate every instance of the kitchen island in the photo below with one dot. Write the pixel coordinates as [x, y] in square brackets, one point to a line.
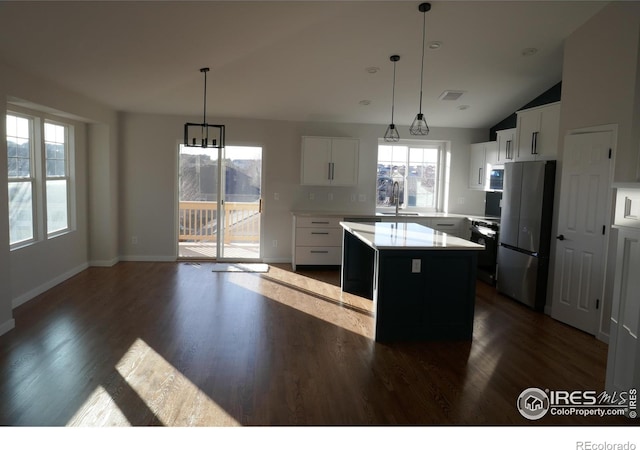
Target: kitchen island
[422, 281]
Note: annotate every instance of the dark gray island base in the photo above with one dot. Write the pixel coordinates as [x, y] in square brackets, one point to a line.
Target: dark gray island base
[422, 281]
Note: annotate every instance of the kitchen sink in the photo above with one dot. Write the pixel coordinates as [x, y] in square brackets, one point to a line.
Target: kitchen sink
[400, 214]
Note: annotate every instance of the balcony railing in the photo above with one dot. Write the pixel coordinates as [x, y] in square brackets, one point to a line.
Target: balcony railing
[199, 220]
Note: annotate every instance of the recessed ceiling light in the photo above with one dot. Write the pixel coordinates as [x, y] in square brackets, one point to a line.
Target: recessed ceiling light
[372, 69]
[434, 45]
[529, 51]
[365, 102]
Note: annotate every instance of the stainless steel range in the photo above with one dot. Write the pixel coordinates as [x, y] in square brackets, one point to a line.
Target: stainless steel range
[486, 232]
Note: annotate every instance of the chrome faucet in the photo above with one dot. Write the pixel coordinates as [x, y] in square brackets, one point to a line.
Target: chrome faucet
[396, 195]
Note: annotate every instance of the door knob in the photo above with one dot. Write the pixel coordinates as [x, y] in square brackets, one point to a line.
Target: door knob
[560, 238]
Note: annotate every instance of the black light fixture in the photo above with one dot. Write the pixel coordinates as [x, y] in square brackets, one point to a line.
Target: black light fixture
[203, 134]
[419, 126]
[391, 135]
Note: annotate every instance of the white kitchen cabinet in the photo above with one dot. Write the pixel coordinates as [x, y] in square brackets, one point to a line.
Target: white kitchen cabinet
[623, 362]
[537, 133]
[481, 159]
[506, 144]
[317, 241]
[328, 161]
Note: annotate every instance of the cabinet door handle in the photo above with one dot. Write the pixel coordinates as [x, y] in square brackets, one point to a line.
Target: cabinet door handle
[480, 176]
[508, 152]
[320, 222]
[319, 232]
[319, 251]
[445, 224]
[333, 170]
[534, 143]
[328, 171]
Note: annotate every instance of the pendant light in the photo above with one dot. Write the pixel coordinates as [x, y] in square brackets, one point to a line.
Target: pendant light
[419, 126]
[198, 134]
[391, 135]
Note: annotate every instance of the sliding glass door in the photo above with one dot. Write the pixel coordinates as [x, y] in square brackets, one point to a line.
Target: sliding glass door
[219, 212]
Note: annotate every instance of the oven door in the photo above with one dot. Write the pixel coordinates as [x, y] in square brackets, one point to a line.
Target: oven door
[487, 258]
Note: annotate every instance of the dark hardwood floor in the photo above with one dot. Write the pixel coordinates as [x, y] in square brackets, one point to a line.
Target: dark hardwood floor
[176, 344]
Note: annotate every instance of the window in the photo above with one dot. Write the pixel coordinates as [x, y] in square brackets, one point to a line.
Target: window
[21, 178]
[57, 185]
[39, 176]
[416, 167]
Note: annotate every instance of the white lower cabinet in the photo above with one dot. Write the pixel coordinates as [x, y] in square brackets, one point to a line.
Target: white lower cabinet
[623, 363]
[317, 241]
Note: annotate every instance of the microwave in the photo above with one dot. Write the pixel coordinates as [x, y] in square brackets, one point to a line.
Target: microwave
[496, 179]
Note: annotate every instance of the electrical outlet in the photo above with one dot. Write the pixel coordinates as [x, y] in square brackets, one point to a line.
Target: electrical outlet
[276, 196]
[274, 243]
[416, 266]
[134, 240]
[362, 198]
[353, 197]
[312, 196]
[330, 196]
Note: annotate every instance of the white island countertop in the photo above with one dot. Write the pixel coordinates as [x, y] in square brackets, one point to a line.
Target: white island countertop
[406, 236]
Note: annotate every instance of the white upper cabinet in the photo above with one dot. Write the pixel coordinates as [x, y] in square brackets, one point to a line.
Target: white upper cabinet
[328, 161]
[506, 140]
[482, 158]
[537, 133]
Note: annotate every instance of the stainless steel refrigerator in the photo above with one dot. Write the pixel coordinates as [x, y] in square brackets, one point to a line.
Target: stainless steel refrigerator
[525, 231]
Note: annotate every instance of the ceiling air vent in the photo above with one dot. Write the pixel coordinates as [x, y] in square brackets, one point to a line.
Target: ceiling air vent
[451, 95]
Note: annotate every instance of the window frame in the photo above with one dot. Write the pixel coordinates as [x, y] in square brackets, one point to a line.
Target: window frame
[39, 177]
[32, 178]
[66, 177]
[441, 175]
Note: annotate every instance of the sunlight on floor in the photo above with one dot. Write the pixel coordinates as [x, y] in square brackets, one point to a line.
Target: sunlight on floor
[98, 411]
[321, 300]
[169, 396]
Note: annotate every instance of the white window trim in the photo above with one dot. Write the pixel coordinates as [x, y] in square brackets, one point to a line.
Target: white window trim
[442, 188]
[69, 171]
[39, 176]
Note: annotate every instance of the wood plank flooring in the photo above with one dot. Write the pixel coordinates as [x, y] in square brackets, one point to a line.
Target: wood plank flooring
[175, 344]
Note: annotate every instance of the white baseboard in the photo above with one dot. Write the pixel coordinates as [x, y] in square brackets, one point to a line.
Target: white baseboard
[147, 258]
[104, 263]
[24, 298]
[7, 326]
[277, 260]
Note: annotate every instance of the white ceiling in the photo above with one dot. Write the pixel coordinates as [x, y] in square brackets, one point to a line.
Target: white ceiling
[296, 60]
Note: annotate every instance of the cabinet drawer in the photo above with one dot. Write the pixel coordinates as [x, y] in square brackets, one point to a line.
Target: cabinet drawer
[445, 224]
[318, 222]
[329, 237]
[325, 256]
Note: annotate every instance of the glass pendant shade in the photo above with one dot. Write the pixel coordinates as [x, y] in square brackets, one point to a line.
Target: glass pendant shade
[391, 135]
[419, 126]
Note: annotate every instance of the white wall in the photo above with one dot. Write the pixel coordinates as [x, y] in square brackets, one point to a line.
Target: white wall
[601, 86]
[30, 270]
[6, 315]
[600, 81]
[148, 165]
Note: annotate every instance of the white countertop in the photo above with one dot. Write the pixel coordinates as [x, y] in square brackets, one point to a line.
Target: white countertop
[403, 215]
[406, 236]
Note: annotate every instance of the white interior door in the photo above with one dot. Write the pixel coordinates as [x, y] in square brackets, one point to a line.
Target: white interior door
[582, 226]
